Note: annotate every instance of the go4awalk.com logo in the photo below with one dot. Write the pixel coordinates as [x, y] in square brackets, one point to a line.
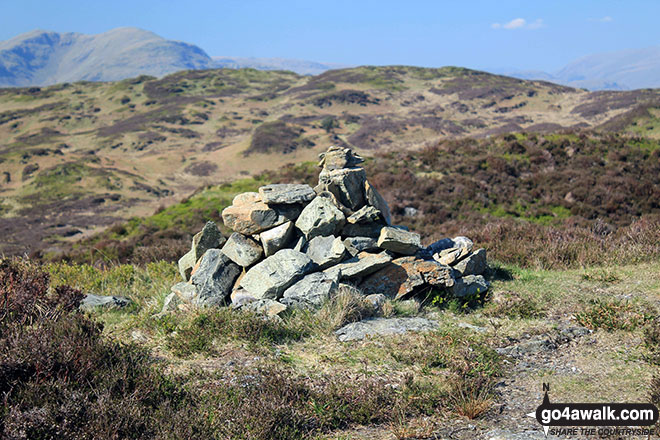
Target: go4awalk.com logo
[619, 419]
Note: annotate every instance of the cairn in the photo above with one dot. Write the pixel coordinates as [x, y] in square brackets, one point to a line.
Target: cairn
[293, 245]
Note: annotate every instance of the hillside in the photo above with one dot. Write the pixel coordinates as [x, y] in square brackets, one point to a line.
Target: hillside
[78, 157]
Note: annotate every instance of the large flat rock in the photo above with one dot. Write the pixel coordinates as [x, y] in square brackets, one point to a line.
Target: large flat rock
[286, 193]
[361, 265]
[270, 278]
[356, 331]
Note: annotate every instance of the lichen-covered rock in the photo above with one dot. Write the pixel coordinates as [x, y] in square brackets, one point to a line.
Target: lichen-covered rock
[399, 241]
[361, 265]
[356, 331]
[310, 292]
[366, 214]
[242, 250]
[326, 251]
[403, 275]
[271, 277]
[214, 278]
[377, 201]
[276, 238]
[355, 245]
[286, 193]
[91, 302]
[469, 285]
[320, 217]
[347, 184]
[473, 264]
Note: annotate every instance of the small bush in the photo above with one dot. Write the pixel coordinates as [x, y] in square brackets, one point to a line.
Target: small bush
[613, 315]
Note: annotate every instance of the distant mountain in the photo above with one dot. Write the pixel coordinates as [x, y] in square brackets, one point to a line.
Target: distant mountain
[41, 58]
[44, 58]
[621, 70]
[301, 67]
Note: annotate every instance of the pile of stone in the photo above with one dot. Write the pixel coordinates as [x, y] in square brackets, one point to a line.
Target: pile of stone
[293, 245]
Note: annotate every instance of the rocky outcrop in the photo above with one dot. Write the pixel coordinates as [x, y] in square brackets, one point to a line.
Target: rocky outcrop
[292, 245]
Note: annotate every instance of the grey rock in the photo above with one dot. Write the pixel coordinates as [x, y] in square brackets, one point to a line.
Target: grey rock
[185, 291]
[186, 264]
[474, 264]
[208, 238]
[320, 217]
[300, 244]
[366, 214]
[214, 278]
[271, 277]
[310, 292]
[468, 286]
[347, 184]
[446, 243]
[242, 250]
[326, 251]
[383, 327]
[355, 245]
[472, 327]
[264, 306]
[409, 211]
[463, 242]
[171, 303]
[377, 300]
[283, 193]
[246, 198]
[361, 265]
[451, 256]
[241, 297]
[276, 238]
[250, 218]
[377, 201]
[339, 157]
[92, 302]
[399, 241]
[371, 230]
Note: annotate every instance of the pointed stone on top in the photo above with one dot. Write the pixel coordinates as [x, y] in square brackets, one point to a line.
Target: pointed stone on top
[338, 157]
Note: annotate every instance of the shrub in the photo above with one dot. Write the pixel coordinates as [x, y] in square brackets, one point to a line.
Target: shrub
[613, 315]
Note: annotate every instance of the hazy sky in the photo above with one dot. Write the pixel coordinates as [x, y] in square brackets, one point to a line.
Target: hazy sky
[526, 34]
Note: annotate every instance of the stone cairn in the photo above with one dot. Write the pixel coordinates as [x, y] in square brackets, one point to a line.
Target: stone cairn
[293, 245]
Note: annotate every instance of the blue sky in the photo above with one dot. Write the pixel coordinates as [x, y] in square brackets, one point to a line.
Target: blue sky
[529, 34]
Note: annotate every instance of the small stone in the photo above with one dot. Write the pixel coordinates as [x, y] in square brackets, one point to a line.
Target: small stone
[371, 230]
[320, 217]
[469, 285]
[384, 327]
[326, 251]
[355, 245]
[242, 250]
[377, 201]
[282, 193]
[310, 292]
[271, 277]
[209, 237]
[276, 238]
[267, 307]
[445, 243]
[241, 297]
[91, 302]
[399, 241]
[473, 264]
[214, 278]
[171, 303]
[377, 300]
[186, 264]
[300, 244]
[246, 198]
[361, 265]
[366, 214]
[451, 256]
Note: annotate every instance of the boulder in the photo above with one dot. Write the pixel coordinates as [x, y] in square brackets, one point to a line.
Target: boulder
[361, 265]
[399, 241]
[208, 238]
[366, 214]
[276, 238]
[92, 302]
[371, 230]
[473, 264]
[377, 201]
[347, 184]
[271, 277]
[356, 331]
[326, 251]
[310, 292]
[355, 245]
[242, 250]
[451, 256]
[403, 275]
[186, 291]
[469, 285]
[283, 193]
[214, 278]
[339, 157]
[320, 217]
